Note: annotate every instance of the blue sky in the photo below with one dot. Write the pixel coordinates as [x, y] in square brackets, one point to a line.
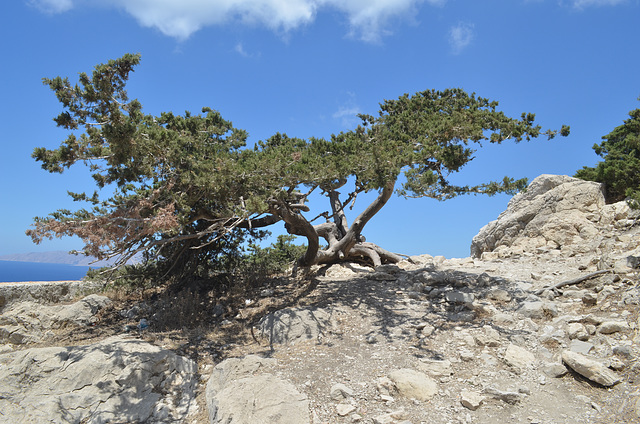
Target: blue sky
[307, 67]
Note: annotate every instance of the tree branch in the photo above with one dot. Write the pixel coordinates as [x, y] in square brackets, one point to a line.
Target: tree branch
[296, 224]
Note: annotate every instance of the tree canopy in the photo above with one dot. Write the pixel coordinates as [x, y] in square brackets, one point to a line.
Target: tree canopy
[184, 188]
[620, 169]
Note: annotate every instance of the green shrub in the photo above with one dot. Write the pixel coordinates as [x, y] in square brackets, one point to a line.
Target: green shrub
[235, 266]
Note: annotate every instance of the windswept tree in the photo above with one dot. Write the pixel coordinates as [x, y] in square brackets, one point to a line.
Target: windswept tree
[620, 169]
[184, 188]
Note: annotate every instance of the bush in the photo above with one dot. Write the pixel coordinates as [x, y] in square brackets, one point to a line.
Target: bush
[236, 267]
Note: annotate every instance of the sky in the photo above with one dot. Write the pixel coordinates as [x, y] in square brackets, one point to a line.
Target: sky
[307, 68]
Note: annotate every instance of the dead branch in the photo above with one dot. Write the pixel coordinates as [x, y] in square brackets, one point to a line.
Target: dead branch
[574, 281]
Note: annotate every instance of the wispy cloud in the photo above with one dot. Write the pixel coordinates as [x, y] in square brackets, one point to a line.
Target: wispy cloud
[239, 48]
[460, 36]
[581, 4]
[348, 112]
[52, 6]
[369, 20]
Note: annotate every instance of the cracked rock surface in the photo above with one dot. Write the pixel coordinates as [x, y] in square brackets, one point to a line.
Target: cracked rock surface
[116, 380]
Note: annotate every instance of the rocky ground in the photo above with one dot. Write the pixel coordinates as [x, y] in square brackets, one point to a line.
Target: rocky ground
[525, 332]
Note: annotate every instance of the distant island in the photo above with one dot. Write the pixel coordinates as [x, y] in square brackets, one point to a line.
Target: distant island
[55, 257]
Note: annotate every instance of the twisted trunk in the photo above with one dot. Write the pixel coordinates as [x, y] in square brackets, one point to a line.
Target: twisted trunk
[344, 242]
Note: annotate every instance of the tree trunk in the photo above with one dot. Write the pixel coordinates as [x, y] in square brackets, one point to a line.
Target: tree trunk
[344, 242]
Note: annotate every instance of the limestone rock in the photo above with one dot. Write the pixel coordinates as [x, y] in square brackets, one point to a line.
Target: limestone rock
[554, 212]
[538, 309]
[554, 369]
[344, 409]
[590, 368]
[578, 346]
[340, 391]
[459, 297]
[27, 322]
[471, 400]
[290, 325]
[436, 368]
[518, 358]
[413, 384]
[576, 330]
[610, 327]
[115, 380]
[45, 292]
[510, 397]
[239, 391]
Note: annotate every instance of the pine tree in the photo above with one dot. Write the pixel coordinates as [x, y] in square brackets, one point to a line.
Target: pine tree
[187, 188]
[620, 169]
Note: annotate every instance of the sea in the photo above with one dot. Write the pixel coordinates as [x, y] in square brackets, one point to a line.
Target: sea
[13, 271]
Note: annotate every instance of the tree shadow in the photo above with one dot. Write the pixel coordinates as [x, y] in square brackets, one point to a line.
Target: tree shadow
[391, 299]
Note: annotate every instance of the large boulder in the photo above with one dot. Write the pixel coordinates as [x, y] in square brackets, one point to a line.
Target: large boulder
[556, 211]
[239, 391]
[46, 292]
[115, 380]
[31, 322]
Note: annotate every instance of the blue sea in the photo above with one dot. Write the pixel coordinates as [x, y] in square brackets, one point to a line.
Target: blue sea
[11, 271]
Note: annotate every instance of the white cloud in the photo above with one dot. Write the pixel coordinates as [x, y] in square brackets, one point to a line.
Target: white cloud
[52, 6]
[460, 36]
[580, 4]
[348, 112]
[369, 20]
[239, 48]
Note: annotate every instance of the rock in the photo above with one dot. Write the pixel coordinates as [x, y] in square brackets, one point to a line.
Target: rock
[115, 380]
[489, 337]
[554, 369]
[499, 295]
[290, 325]
[590, 368]
[633, 262]
[382, 276]
[384, 419]
[505, 396]
[589, 299]
[554, 211]
[623, 350]
[344, 409]
[391, 418]
[45, 292]
[578, 346]
[28, 322]
[518, 358]
[538, 309]
[436, 368]
[459, 297]
[427, 330]
[610, 327]
[576, 330]
[471, 400]
[239, 391]
[385, 386]
[413, 384]
[340, 391]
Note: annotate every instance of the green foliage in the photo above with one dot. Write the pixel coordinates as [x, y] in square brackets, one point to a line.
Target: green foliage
[274, 259]
[189, 193]
[232, 265]
[620, 169]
